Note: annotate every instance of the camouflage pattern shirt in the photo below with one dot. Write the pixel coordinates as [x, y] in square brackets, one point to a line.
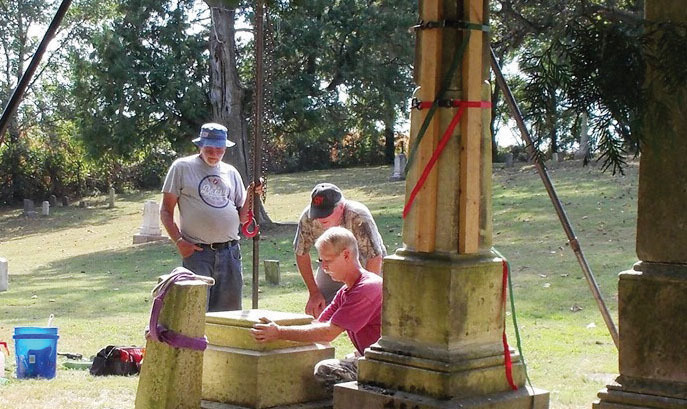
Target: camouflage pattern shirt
[356, 218]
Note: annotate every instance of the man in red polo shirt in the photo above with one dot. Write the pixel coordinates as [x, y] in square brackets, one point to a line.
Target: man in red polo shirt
[356, 308]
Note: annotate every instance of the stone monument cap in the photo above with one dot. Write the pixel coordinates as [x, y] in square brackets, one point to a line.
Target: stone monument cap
[247, 318]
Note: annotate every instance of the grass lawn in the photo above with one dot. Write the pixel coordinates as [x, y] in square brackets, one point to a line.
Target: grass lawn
[80, 265]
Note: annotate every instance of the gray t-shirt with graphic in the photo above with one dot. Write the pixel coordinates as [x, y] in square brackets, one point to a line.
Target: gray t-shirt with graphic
[208, 198]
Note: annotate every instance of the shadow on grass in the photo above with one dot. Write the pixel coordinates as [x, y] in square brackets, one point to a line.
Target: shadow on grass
[13, 223]
[90, 286]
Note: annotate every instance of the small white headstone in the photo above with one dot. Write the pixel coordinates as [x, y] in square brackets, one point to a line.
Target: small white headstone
[4, 281]
[150, 229]
[46, 208]
[399, 167]
[151, 219]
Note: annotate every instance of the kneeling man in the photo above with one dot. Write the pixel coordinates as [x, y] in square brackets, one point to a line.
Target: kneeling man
[356, 308]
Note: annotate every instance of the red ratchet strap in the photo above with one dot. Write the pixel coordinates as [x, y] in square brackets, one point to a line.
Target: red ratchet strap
[245, 227]
[461, 105]
[506, 349]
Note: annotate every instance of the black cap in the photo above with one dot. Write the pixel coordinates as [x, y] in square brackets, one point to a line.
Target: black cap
[323, 200]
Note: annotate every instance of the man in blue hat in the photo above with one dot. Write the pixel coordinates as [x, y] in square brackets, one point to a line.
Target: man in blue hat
[210, 196]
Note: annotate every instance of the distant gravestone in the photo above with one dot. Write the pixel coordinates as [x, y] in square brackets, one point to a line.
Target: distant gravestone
[150, 229]
[399, 173]
[65, 201]
[4, 275]
[111, 198]
[29, 208]
[82, 203]
[272, 275]
[45, 208]
[509, 160]
[52, 200]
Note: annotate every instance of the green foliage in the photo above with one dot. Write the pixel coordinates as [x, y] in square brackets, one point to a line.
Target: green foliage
[36, 167]
[337, 69]
[579, 57]
[144, 81]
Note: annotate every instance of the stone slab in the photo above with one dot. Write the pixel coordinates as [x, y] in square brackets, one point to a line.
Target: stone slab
[145, 238]
[618, 399]
[232, 328]
[247, 318]
[324, 404]
[355, 395]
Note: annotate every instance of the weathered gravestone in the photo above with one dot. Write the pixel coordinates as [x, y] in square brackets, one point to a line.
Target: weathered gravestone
[150, 229]
[65, 201]
[171, 376]
[4, 275]
[399, 173]
[272, 274]
[45, 208]
[509, 160]
[52, 200]
[29, 208]
[111, 198]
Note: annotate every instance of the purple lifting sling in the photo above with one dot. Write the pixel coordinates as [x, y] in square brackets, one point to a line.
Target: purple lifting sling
[159, 332]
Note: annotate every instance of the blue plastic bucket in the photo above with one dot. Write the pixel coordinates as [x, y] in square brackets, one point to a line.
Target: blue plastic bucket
[36, 351]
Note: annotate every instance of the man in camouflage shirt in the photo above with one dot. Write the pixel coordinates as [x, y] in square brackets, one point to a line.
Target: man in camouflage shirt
[328, 208]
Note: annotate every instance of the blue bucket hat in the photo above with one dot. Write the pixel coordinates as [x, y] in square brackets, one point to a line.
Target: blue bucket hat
[212, 134]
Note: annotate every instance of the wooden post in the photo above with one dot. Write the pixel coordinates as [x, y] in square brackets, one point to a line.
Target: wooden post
[421, 221]
[471, 135]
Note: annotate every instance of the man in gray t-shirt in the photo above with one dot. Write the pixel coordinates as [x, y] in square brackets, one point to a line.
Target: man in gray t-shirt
[328, 208]
[210, 196]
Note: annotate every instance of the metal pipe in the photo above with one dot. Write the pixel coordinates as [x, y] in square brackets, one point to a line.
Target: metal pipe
[558, 206]
[257, 149]
[18, 93]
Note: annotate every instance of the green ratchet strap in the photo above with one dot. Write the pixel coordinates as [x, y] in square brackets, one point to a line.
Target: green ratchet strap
[515, 319]
[457, 58]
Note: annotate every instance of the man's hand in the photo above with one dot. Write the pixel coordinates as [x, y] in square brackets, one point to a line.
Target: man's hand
[315, 304]
[267, 331]
[187, 248]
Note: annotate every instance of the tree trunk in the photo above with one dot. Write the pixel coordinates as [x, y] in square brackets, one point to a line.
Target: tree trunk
[227, 95]
[389, 139]
[226, 92]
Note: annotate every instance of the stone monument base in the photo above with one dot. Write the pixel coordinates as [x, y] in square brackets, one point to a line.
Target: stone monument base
[241, 372]
[355, 395]
[145, 238]
[325, 404]
[617, 397]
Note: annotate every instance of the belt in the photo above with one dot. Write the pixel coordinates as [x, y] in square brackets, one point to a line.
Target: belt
[218, 246]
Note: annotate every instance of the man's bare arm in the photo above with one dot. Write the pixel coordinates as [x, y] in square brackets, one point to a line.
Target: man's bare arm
[374, 265]
[315, 332]
[316, 302]
[169, 203]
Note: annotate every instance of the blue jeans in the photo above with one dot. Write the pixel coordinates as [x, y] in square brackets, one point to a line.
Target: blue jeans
[225, 267]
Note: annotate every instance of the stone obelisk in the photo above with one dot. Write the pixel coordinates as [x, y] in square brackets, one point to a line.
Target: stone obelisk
[443, 312]
[652, 297]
